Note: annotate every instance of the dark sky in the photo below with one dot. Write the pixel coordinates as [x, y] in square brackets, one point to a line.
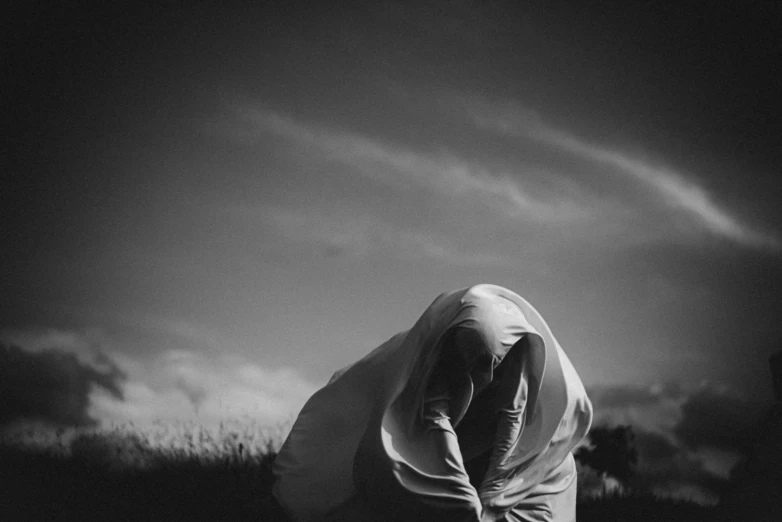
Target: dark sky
[232, 202]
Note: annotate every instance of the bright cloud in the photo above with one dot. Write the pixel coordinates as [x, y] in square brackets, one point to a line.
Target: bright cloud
[673, 188]
[175, 384]
[207, 389]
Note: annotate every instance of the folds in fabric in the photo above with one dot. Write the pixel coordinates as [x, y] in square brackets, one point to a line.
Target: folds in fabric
[363, 448]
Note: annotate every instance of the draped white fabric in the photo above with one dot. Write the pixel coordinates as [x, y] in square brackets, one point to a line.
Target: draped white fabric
[376, 443]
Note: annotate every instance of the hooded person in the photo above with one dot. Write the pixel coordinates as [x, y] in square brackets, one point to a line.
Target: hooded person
[471, 415]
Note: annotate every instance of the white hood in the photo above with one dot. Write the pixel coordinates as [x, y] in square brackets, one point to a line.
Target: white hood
[362, 435]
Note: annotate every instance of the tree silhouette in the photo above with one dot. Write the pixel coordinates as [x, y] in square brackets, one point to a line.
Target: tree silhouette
[612, 452]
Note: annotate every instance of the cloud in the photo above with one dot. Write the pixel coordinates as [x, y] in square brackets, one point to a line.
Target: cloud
[86, 346]
[667, 469]
[444, 174]
[654, 447]
[186, 385]
[708, 416]
[719, 419]
[52, 386]
[546, 204]
[664, 468]
[194, 391]
[629, 395]
[654, 408]
[671, 187]
[688, 439]
[80, 378]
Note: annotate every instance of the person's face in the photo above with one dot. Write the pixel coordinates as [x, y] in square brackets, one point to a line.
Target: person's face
[479, 362]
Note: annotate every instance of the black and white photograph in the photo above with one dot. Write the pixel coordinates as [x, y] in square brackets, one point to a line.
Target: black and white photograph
[391, 261]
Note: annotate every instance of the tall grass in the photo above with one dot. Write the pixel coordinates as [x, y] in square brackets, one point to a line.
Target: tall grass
[643, 506]
[179, 471]
[185, 471]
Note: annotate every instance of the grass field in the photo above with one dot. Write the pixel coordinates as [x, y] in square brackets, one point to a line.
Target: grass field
[187, 472]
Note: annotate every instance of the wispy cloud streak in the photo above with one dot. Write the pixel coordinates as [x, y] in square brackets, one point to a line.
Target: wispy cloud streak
[674, 188]
[443, 173]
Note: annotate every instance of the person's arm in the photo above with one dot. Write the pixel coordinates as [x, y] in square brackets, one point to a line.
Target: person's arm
[512, 401]
[437, 400]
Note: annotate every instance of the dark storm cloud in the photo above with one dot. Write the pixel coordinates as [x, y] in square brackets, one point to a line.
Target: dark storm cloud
[52, 386]
[685, 437]
[664, 465]
[629, 395]
[718, 419]
[707, 416]
[653, 447]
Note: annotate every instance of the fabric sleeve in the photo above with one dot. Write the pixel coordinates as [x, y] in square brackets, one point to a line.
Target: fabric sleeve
[512, 404]
[437, 402]
[553, 500]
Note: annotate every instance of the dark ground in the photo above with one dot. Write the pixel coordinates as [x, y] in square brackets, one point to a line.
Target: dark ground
[46, 486]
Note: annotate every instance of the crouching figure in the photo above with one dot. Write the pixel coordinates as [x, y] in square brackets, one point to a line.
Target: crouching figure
[471, 415]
